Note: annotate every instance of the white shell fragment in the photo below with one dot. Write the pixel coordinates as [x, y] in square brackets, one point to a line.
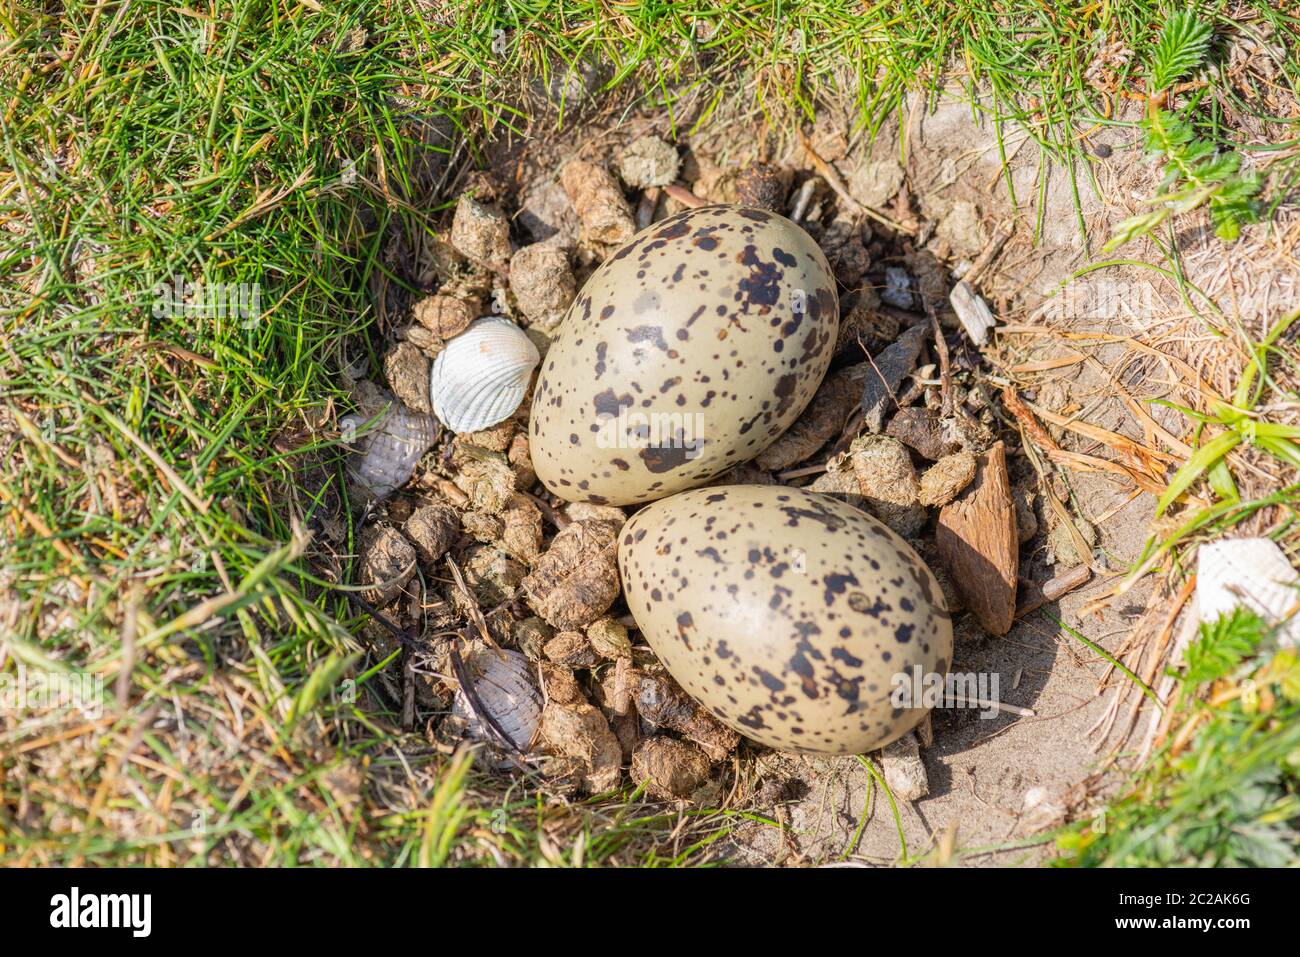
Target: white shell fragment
[385, 455]
[972, 310]
[481, 378]
[1254, 573]
[898, 288]
[504, 684]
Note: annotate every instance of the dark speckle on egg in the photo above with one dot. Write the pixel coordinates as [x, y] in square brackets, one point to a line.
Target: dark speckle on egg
[788, 614]
[688, 351]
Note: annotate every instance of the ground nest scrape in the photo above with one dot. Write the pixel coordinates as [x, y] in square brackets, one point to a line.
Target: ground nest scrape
[503, 602]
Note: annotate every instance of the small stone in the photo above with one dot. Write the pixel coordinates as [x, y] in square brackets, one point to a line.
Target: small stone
[387, 563]
[947, 478]
[576, 579]
[542, 283]
[876, 183]
[444, 316]
[888, 482]
[903, 768]
[1026, 519]
[898, 288]
[603, 211]
[570, 648]
[581, 733]
[548, 215]
[962, 229]
[890, 368]
[670, 769]
[609, 639]
[920, 429]
[648, 161]
[433, 529]
[481, 234]
[407, 370]
[763, 187]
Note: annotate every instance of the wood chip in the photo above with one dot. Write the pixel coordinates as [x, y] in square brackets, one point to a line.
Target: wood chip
[978, 544]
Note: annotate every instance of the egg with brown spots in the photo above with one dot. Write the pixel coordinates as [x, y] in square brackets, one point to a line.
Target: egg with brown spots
[788, 614]
[687, 352]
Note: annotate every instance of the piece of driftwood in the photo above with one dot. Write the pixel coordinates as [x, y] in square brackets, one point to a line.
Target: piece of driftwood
[978, 544]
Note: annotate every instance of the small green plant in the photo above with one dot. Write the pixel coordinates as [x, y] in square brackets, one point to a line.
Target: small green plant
[1197, 172]
[1223, 645]
[1227, 796]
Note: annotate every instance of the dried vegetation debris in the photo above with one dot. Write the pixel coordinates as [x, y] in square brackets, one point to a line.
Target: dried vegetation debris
[576, 580]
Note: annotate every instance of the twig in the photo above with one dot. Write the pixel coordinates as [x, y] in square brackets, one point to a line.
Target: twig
[958, 701]
[941, 350]
[989, 252]
[1055, 588]
[556, 518]
[685, 196]
[475, 613]
[828, 173]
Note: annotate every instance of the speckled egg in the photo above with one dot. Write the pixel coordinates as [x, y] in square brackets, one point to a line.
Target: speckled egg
[688, 351]
[788, 614]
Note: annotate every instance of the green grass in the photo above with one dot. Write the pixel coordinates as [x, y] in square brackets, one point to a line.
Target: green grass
[159, 475]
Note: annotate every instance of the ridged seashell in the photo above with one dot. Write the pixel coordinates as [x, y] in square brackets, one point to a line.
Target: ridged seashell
[482, 376]
[505, 686]
[386, 455]
[1251, 572]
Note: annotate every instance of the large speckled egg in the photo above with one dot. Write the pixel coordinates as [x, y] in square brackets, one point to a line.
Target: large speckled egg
[688, 351]
[788, 614]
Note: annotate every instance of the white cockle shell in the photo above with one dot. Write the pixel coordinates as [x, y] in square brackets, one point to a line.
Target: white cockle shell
[481, 378]
[385, 455]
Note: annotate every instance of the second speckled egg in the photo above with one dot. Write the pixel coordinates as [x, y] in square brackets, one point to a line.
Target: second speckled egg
[796, 619]
[688, 351]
